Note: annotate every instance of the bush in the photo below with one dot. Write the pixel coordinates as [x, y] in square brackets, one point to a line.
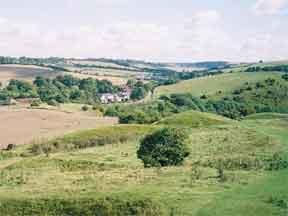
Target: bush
[138, 93]
[204, 97]
[99, 108]
[112, 206]
[10, 147]
[85, 108]
[285, 76]
[164, 147]
[35, 103]
[52, 103]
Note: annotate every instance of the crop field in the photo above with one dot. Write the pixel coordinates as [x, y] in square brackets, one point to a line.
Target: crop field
[23, 72]
[99, 63]
[103, 71]
[211, 85]
[20, 125]
[116, 80]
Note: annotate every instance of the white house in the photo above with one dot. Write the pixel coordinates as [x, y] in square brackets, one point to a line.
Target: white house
[107, 98]
[122, 96]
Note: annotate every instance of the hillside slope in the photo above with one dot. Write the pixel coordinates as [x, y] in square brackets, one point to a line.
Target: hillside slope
[194, 119]
[211, 85]
[111, 180]
[260, 116]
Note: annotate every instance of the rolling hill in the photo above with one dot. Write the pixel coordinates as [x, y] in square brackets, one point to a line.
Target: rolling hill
[97, 171]
[226, 82]
[194, 119]
[108, 178]
[267, 116]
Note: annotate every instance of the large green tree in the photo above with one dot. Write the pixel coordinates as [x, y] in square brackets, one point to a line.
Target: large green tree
[164, 147]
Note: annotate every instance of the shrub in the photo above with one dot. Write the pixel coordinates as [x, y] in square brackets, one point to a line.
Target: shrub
[138, 93]
[98, 107]
[10, 147]
[35, 103]
[164, 147]
[111, 111]
[204, 97]
[285, 76]
[52, 103]
[85, 108]
[112, 206]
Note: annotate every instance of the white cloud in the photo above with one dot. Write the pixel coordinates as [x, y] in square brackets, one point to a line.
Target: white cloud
[202, 36]
[206, 18]
[269, 7]
[266, 46]
[2, 20]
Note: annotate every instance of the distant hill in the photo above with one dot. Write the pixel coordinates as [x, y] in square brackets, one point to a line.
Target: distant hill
[209, 65]
[212, 84]
[121, 64]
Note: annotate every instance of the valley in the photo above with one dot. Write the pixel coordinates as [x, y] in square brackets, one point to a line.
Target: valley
[143, 108]
[73, 155]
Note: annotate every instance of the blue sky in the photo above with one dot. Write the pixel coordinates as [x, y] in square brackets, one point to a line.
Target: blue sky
[155, 30]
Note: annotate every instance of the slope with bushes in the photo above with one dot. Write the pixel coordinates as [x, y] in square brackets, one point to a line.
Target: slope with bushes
[110, 180]
[194, 119]
[91, 138]
[269, 95]
[211, 85]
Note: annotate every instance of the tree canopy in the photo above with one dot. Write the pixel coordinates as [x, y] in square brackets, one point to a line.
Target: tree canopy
[164, 147]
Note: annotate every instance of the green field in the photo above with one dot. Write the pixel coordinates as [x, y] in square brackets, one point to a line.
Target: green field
[107, 177]
[211, 85]
[267, 116]
[194, 119]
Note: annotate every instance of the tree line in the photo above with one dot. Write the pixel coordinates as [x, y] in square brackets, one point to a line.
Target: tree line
[270, 95]
[30, 61]
[68, 89]
[62, 89]
[278, 68]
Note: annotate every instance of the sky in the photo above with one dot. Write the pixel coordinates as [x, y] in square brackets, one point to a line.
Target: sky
[151, 30]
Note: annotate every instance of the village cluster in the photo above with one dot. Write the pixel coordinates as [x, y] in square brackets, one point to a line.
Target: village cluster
[122, 96]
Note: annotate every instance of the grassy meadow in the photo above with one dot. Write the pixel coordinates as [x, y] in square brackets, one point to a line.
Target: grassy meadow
[194, 119]
[105, 177]
[226, 82]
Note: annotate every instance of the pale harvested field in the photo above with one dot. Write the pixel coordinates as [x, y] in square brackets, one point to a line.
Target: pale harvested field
[100, 63]
[23, 72]
[116, 80]
[21, 126]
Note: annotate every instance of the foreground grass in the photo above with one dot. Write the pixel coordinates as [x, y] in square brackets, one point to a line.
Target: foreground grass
[266, 196]
[110, 178]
